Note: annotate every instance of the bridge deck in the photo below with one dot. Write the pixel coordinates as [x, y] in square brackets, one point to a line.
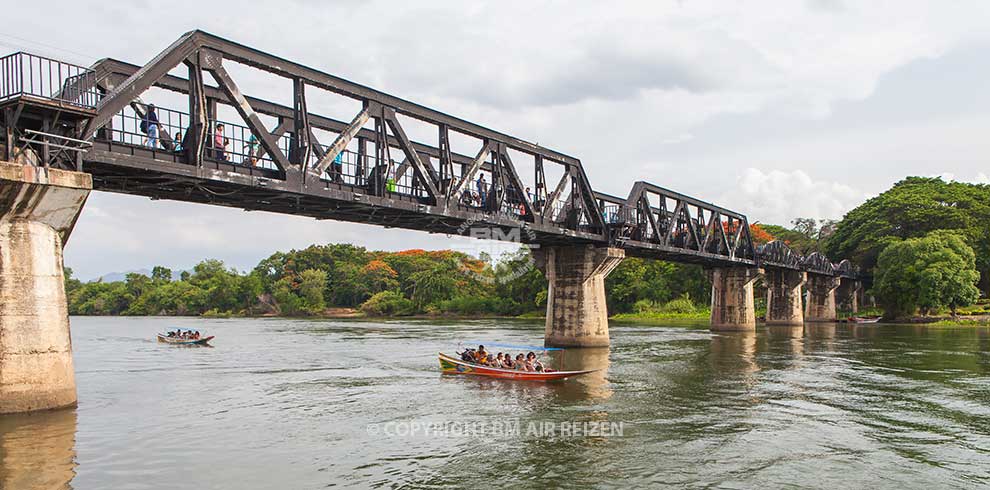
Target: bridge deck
[371, 172]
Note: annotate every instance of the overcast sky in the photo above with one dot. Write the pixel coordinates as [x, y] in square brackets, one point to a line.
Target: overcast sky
[775, 109]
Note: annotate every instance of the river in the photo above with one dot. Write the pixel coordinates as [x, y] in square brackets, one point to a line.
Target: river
[303, 404]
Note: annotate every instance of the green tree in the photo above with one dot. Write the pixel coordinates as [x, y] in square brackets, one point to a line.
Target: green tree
[161, 274]
[928, 273]
[912, 208]
[311, 285]
[71, 283]
[436, 284]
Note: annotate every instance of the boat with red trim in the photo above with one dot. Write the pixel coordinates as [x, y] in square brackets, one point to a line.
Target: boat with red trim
[451, 365]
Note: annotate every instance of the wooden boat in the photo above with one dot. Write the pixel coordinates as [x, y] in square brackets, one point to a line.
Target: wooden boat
[181, 341]
[860, 319]
[450, 365]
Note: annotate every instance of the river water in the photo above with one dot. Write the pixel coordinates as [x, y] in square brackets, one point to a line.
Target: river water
[313, 404]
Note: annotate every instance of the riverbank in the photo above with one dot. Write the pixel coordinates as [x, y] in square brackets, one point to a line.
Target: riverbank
[645, 318]
[656, 317]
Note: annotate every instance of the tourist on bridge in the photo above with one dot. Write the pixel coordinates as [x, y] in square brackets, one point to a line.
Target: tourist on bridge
[149, 125]
[219, 142]
[482, 189]
[252, 149]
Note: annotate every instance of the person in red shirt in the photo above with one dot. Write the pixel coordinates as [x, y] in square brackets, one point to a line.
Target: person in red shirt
[218, 142]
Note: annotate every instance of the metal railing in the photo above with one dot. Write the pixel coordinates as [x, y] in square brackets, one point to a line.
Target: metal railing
[240, 148]
[32, 75]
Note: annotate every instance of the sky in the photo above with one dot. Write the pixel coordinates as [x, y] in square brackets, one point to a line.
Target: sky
[777, 110]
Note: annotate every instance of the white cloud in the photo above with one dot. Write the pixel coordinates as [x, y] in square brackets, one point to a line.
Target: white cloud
[778, 196]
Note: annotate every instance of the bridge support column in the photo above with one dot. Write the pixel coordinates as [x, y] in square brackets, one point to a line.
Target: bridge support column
[38, 208]
[577, 315]
[732, 298]
[821, 298]
[784, 296]
[848, 294]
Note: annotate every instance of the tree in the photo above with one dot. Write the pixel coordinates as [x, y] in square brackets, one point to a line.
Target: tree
[311, 285]
[71, 283]
[928, 273]
[161, 274]
[759, 234]
[912, 208]
[436, 284]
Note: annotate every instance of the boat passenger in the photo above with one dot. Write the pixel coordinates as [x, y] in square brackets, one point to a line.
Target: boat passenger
[482, 355]
[533, 361]
[520, 363]
[507, 361]
[498, 362]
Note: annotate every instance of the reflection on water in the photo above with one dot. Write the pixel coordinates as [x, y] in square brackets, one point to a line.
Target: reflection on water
[734, 352]
[300, 404]
[592, 386]
[37, 450]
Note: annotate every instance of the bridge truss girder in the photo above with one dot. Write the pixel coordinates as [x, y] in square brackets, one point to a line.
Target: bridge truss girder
[651, 222]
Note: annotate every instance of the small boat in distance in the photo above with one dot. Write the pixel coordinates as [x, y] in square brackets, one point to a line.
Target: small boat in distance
[862, 319]
[450, 365]
[181, 341]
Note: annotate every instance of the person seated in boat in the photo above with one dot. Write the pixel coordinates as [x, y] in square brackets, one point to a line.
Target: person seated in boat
[497, 361]
[467, 355]
[481, 356]
[520, 363]
[507, 361]
[196, 335]
[533, 361]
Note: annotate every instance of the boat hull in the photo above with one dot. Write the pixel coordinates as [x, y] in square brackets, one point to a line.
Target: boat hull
[450, 365]
[863, 320]
[174, 341]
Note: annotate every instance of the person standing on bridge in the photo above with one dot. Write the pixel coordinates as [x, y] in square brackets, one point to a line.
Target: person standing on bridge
[482, 189]
[252, 147]
[150, 125]
[218, 142]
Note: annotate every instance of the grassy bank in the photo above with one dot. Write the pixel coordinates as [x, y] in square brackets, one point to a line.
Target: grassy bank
[660, 317]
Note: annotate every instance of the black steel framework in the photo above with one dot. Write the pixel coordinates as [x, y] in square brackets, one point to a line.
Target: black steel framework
[375, 175]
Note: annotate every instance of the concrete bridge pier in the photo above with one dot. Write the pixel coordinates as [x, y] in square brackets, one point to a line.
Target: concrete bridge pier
[848, 294]
[732, 298]
[577, 315]
[38, 208]
[784, 305]
[820, 306]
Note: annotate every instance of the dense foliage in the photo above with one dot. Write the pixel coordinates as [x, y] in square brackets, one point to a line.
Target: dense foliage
[910, 209]
[928, 273]
[308, 281]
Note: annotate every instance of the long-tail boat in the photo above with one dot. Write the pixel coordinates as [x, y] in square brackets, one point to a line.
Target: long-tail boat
[181, 341]
[451, 365]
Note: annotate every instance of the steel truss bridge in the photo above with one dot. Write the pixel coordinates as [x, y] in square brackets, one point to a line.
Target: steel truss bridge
[365, 170]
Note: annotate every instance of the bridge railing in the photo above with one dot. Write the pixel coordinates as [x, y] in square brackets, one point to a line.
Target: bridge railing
[125, 127]
[25, 74]
[241, 150]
